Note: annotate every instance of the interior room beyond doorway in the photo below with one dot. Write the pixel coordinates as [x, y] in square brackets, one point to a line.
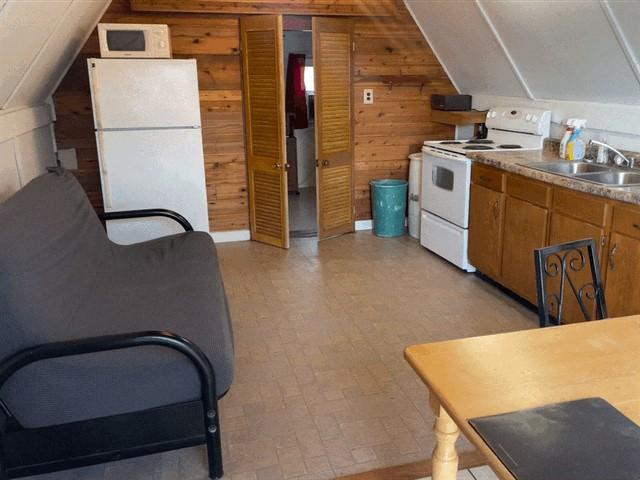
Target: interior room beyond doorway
[299, 84]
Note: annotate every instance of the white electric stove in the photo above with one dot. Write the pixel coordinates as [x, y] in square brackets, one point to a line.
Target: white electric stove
[446, 177]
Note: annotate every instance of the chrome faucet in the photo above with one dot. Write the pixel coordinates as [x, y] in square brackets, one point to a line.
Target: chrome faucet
[619, 159]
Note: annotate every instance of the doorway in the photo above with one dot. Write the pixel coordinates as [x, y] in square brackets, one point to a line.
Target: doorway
[300, 118]
[282, 160]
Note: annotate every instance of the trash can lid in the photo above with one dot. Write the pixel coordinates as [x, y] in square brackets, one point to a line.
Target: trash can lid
[388, 182]
[415, 156]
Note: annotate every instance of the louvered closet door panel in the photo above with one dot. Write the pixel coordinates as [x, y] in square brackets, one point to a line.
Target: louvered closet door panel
[334, 133]
[336, 196]
[265, 130]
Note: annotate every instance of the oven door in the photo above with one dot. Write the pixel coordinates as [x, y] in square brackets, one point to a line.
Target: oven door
[445, 186]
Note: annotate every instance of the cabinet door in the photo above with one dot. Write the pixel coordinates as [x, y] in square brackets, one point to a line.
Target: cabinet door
[565, 229]
[623, 271]
[485, 229]
[525, 229]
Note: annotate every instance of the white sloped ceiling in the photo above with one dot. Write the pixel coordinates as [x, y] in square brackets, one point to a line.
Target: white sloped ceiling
[38, 41]
[570, 50]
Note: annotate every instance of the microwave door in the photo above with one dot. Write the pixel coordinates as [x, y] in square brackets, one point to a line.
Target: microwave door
[132, 93]
[126, 40]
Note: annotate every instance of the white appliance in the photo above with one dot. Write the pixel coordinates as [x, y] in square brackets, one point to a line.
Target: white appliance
[133, 40]
[446, 177]
[147, 120]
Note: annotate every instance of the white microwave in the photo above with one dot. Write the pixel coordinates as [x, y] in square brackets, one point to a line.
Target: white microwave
[132, 40]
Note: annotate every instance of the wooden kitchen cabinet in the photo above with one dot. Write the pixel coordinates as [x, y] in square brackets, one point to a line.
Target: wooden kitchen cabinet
[512, 215]
[623, 262]
[486, 216]
[525, 229]
[623, 272]
[566, 229]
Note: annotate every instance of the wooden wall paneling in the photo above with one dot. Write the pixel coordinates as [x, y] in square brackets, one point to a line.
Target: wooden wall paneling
[287, 7]
[393, 59]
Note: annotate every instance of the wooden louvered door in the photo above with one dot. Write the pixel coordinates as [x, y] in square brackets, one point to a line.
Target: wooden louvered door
[332, 57]
[263, 75]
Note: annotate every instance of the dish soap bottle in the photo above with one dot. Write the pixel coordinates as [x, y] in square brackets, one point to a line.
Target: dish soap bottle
[565, 139]
[576, 146]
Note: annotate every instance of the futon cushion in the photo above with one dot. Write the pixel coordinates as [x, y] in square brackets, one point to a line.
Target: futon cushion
[52, 251]
[170, 284]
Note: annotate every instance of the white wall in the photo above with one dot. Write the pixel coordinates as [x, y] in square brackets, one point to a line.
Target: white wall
[301, 42]
[26, 146]
[44, 38]
[577, 57]
[39, 39]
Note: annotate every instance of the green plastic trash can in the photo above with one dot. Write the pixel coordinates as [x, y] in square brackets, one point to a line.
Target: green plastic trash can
[389, 201]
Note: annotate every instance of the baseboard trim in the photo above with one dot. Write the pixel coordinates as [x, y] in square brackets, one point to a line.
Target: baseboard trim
[364, 225]
[231, 236]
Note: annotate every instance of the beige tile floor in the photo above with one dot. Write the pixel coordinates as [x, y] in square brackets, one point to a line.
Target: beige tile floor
[302, 212]
[321, 385]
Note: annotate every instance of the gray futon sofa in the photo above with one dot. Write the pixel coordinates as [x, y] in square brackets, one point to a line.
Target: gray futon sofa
[95, 348]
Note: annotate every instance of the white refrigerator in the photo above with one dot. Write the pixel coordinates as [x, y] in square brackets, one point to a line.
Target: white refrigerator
[147, 120]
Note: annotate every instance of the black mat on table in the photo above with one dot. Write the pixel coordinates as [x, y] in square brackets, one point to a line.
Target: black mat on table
[584, 439]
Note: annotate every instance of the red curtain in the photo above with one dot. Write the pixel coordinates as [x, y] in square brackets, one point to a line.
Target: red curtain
[296, 97]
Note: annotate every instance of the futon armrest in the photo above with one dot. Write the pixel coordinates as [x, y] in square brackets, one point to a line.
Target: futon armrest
[84, 346]
[150, 212]
[69, 348]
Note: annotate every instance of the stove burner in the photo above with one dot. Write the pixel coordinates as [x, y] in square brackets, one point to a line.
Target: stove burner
[510, 146]
[477, 147]
[450, 142]
[480, 141]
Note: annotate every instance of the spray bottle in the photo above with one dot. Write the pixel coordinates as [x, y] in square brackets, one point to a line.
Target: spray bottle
[566, 138]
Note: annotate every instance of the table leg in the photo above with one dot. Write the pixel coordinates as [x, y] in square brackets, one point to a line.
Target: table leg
[445, 457]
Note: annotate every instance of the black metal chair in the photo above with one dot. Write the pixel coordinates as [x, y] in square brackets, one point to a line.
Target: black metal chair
[558, 269]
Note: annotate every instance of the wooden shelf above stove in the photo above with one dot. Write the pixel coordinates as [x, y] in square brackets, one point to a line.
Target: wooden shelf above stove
[467, 117]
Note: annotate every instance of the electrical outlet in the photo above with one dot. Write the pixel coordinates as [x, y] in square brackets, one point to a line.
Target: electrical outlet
[368, 96]
[68, 158]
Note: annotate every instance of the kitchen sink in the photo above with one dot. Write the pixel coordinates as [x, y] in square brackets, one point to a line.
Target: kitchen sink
[590, 172]
[615, 178]
[568, 168]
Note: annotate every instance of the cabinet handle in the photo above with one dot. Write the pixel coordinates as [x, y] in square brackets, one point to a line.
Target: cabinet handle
[276, 166]
[612, 263]
[636, 225]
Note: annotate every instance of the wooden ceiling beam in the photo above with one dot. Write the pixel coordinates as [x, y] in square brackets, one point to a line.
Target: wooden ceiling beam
[380, 8]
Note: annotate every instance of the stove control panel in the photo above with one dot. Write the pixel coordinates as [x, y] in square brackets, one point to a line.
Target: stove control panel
[534, 121]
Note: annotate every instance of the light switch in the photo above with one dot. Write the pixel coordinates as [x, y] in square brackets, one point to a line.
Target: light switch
[368, 96]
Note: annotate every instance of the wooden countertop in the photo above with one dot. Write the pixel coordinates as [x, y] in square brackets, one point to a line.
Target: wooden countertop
[513, 161]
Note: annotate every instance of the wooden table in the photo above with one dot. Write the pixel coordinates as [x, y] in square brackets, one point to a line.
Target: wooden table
[475, 377]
